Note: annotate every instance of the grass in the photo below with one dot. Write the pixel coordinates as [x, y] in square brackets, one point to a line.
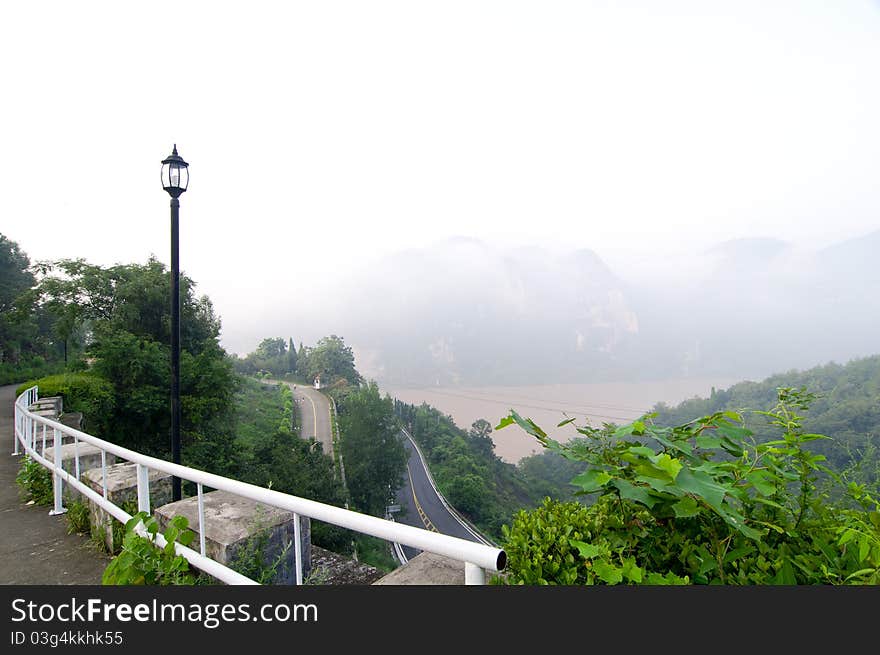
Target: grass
[258, 410]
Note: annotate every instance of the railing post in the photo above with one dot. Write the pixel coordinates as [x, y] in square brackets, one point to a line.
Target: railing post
[17, 430]
[473, 574]
[297, 538]
[201, 518]
[104, 472]
[56, 479]
[143, 486]
[76, 456]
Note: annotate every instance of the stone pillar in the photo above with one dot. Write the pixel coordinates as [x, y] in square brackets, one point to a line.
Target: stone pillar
[239, 531]
[121, 491]
[89, 458]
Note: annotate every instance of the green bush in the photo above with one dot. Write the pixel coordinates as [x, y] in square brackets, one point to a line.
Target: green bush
[701, 502]
[252, 559]
[28, 369]
[77, 516]
[141, 562]
[35, 481]
[82, 392]
[538, 544]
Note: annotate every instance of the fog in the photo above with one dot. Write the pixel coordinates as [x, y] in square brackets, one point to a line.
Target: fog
[464, 312]
[479, 192]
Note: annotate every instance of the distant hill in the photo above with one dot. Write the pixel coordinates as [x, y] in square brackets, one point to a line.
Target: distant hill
[465, 312]
[847, 409]
[470, 313]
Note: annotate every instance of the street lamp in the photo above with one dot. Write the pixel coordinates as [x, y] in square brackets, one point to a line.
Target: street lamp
[175, 179]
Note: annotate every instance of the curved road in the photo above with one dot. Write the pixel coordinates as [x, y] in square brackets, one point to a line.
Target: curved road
[422, 505]
[314, 411]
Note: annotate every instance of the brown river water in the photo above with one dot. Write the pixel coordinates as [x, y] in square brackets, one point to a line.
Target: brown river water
[547, 405]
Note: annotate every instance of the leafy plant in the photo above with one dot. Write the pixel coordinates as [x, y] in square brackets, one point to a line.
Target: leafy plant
[701, 502]
[118, 528]
[254, 560]
[35, 481]
[286, 423]
[82, 392]
[143, 562]
[77, 516]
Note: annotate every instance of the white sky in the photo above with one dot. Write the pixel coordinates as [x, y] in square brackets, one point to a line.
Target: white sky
[321, 133]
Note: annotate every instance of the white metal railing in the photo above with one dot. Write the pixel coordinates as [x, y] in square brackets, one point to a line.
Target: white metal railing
[31, 432]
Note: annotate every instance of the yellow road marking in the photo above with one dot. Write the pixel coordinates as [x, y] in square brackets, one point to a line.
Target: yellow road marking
[422, 515]
[315, 414]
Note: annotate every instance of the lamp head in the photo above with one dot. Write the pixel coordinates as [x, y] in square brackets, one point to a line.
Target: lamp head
[175, 174]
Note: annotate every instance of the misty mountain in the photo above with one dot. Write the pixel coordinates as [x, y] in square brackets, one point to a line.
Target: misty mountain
[467, 312]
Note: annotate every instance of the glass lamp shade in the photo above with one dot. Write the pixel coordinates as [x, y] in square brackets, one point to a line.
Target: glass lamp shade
[175, 174]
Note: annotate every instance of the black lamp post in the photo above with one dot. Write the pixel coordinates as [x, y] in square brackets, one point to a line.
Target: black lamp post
[175, 179]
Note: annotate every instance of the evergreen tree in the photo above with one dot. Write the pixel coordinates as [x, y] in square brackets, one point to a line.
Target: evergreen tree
[291, 356]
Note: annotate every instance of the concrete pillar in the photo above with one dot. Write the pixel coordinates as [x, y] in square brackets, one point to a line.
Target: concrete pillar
[89, 458]
[234, 525]
[121, 491]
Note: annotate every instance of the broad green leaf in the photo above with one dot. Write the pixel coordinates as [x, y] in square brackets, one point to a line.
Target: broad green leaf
[785, 574]
[736, 521]
[706, 441]
[686, 507]
[738, 553]
[733, 432]
[651, 470]
[672, 444]
[608, 573]
[529, 426]
[592, 480]
[702, 485]
[587, 551]
[503, 423]
[759, 481]
[632, 492]
[630, 571]
[670, 465]
[859, 573]
[644, 451]
[707, 562]
[765, 501]
[662, 485]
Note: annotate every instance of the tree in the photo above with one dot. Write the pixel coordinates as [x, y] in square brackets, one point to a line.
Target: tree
[272, 348]
[272, 355]
[480, 439]
[372, 450]
[291, 357]
[331, 359]
[127, 311]
[27, 344]
[15, 274]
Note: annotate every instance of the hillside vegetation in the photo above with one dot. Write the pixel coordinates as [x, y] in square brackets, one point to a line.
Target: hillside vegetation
[762, 483]
[846, 408]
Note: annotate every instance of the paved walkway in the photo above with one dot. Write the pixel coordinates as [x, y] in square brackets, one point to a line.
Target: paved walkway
[35, 547]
